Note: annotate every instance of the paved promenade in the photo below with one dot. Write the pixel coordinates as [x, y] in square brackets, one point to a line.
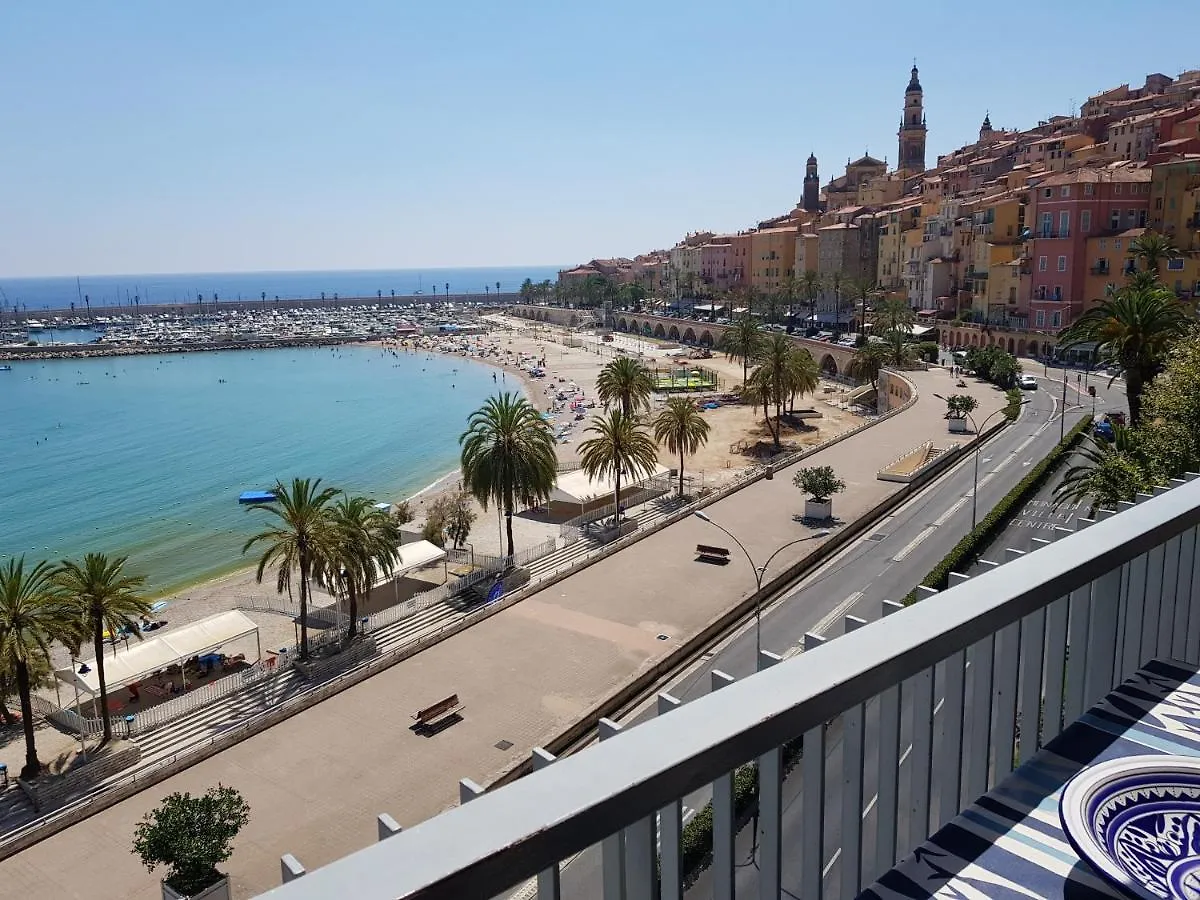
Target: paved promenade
[316, 782]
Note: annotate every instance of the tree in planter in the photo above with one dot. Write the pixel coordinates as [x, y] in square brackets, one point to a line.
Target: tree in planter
[959, 406]
[191, 836]
[820, 483]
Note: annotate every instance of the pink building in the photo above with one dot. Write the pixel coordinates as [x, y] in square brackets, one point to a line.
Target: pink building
[716, 262]
[1064, 211]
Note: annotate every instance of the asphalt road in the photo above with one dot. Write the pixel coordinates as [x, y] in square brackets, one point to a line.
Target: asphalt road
[883, 565]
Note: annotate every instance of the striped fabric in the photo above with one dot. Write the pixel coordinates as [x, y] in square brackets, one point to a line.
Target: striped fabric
[1010, 844]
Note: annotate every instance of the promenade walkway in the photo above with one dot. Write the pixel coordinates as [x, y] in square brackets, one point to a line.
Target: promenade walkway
[316, 781]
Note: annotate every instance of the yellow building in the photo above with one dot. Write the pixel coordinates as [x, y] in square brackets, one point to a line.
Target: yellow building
[996, 225]
[807, 243]
[772, 258]
[1175, 211]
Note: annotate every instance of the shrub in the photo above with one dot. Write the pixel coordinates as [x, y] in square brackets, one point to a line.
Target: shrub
[819, 482]
[959, 405]
[928, 351]
[191, 836]
[976, 541]
[1014, 398]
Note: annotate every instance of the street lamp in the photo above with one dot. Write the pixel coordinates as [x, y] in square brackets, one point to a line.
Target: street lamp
[759, 572]
[975, 490]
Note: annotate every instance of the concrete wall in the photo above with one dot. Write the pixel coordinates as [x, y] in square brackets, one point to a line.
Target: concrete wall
[894, 391]
[50, 792]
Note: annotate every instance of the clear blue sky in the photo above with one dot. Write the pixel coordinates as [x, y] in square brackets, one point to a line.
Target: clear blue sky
[143, 136]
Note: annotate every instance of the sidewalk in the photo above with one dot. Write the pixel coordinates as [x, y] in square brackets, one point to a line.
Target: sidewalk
[316, 782]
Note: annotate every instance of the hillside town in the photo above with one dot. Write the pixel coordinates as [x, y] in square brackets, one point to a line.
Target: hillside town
[1009, 239]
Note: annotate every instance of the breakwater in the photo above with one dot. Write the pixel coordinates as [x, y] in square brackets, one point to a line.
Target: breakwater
[90, 351]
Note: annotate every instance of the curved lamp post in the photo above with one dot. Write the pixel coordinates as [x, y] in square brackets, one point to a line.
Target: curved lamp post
[759, 572]
[971, 419]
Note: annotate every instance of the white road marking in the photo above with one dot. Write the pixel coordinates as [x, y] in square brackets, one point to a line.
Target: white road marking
[945, 517]
[1028, 462]
[842, 608]
[912, 545]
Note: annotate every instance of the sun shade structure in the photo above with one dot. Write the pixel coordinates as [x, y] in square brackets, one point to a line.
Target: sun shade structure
[144, 657]
[579, 487]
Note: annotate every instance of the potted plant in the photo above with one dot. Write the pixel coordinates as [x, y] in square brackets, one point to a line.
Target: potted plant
[191, 836]
[820, 484]
[958, 407]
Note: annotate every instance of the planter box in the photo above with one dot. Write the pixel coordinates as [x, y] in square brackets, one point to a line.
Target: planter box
[218, 891]
[818, 510]
[958, 426]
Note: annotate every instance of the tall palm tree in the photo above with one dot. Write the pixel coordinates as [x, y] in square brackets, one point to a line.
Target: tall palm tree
[893, 320]
[784, 370]
[365, 547]
[866, 363]
[301, 541]
[810, 284]
[508, 456]
[742, 342]
[863, 288]
[627, 382]
[681, 429]
[621, 446]
[31, 613]
[105, 599]
[1134, 328]
[836, 282]
[1152, 247]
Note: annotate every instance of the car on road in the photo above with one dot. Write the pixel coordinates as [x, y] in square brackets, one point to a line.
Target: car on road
[1027, 382]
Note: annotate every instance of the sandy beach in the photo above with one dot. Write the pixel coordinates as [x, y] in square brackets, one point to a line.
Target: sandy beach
[573, 362]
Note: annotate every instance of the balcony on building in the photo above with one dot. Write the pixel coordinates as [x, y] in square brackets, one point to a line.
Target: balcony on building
[1101, 269]
[862, 744]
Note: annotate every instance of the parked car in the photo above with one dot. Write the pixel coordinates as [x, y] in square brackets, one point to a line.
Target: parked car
[1027, 383]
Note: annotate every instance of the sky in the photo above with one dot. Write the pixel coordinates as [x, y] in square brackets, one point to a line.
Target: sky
[144, 136]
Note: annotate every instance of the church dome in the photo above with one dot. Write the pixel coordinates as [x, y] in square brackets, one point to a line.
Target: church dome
[914, 83]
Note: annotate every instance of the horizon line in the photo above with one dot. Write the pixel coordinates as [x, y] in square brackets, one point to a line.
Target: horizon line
[4, 278]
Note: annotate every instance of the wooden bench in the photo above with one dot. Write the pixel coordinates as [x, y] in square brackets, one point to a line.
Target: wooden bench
[436, 711]
[708, 553]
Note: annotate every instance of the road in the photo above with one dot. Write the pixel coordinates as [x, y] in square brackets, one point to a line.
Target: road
[883, 565]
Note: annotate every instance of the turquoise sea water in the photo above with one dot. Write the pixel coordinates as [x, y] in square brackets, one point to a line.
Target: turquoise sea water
[146, 455]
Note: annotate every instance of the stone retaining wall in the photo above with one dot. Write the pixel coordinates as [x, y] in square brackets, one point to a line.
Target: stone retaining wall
[49, 792]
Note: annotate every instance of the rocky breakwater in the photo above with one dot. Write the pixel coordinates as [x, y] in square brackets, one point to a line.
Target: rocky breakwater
[87, 351]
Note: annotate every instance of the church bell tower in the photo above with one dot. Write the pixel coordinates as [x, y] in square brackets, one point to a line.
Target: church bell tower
[812, 185]
[912, 127]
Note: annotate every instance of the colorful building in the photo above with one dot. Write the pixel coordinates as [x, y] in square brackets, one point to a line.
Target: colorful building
[1065, 211]
[773, 258]
[1175, 211]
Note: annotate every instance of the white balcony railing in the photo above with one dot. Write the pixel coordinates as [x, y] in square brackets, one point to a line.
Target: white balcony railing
[975, 678]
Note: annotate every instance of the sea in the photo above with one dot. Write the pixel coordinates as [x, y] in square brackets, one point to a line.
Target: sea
[121, 290]
[145, 456]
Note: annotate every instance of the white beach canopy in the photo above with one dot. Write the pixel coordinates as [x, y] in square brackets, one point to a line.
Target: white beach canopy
[144, 657]
[579, 487]
[416, 555]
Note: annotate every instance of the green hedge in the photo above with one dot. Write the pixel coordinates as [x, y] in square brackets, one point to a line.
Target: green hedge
[976, 541]
[696, 840]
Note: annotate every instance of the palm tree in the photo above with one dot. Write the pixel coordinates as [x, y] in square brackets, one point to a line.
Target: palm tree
[1134, 328]
[893, 320]
[365, 547]
[627, 382]
[810, 283]
[31, 614]
[866, 363]
[1108, 473]
[621, 447]
[784, 370]
[863, 288]
[742, 342]
[1152, 248]
[836, 282]
[105, 599]
[681, 429]
[300, 541]
[789, 290]
[508, 456]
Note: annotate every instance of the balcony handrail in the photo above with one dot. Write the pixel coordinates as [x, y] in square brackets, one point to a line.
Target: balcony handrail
[501, 838]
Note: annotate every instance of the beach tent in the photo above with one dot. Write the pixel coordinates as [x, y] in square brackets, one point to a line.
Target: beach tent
[579, 488]
[416, 555]
[144, 657]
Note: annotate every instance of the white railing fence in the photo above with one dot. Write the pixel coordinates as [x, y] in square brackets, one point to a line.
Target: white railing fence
[949, 695]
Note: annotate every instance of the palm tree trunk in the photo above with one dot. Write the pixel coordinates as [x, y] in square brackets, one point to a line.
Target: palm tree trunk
[32, 765]
[1134, 385]
[98, 646]
[508, 517]
[304, 605]
[778, 424]
[353, 609]
[680, 473]
[745, 371]
[617, 496]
